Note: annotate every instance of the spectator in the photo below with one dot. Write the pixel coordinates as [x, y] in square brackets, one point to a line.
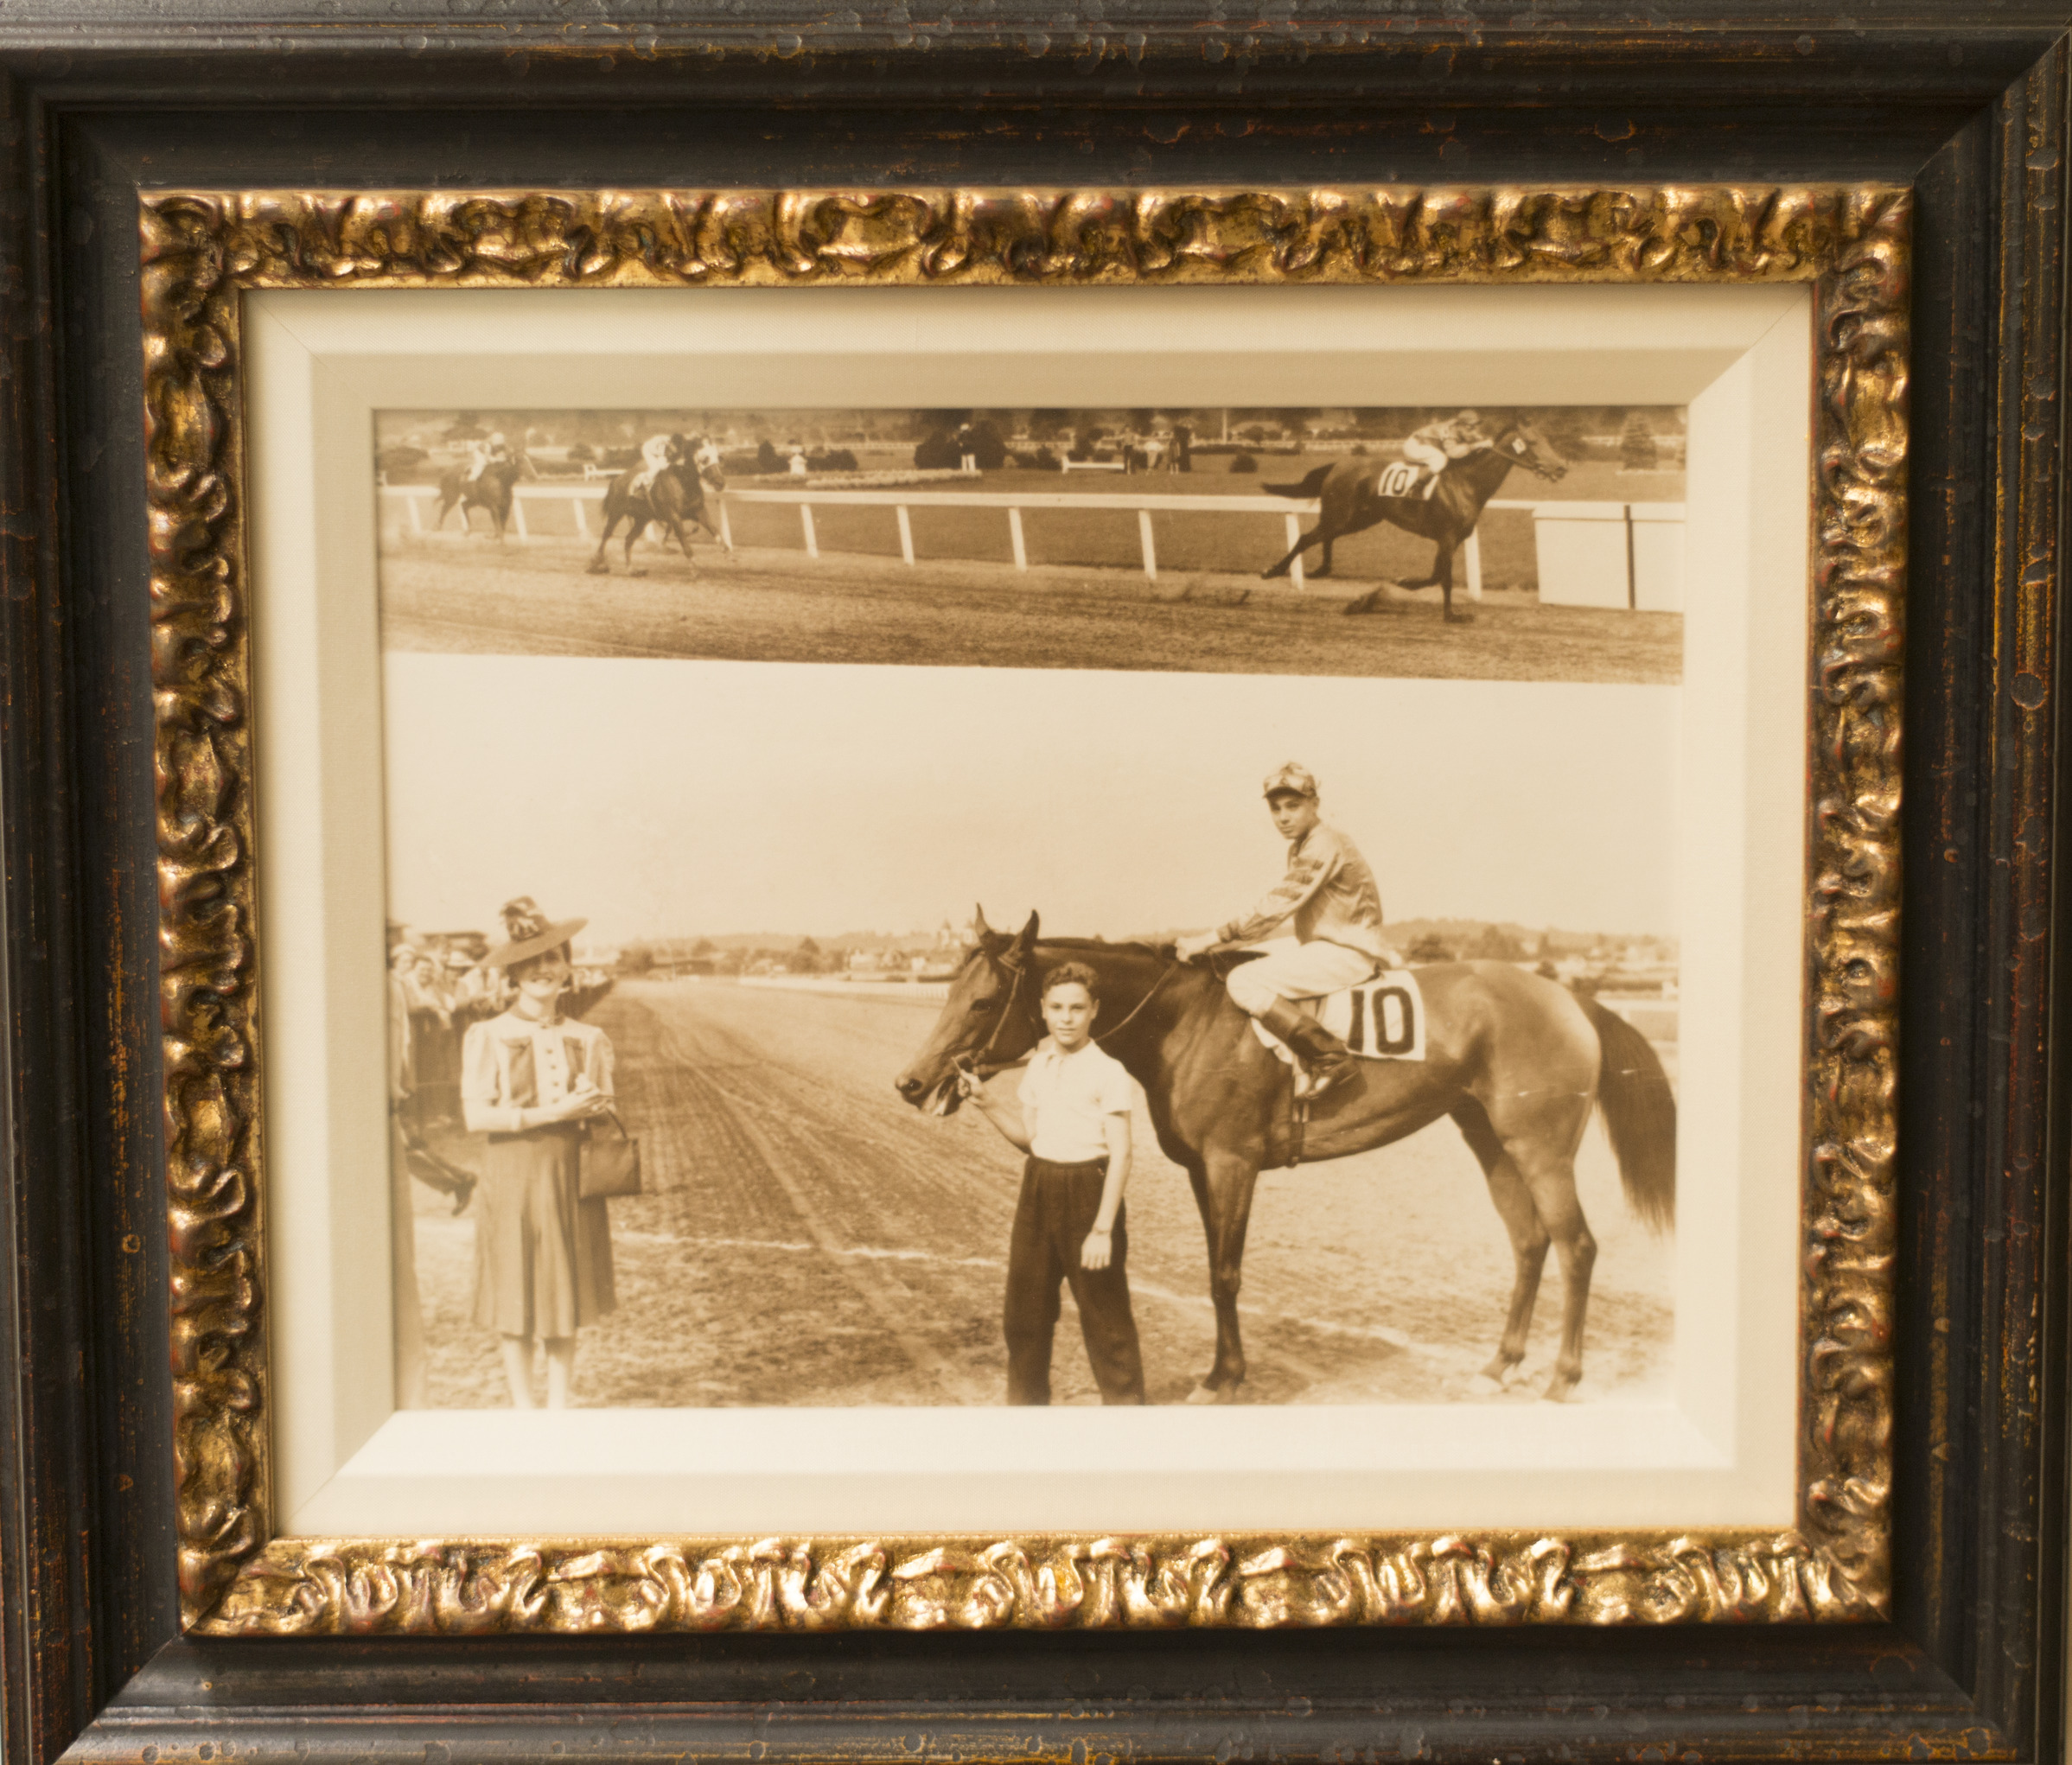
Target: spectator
[533, 1079]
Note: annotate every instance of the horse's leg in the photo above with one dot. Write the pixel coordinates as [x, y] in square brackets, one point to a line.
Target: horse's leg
[683, 542]
[635, 525]
[1300, 546]
[1324, 567]
[598, 567]
[1512, 1200]
[1223, 1192]
[1549, 1173]
[1442, 568]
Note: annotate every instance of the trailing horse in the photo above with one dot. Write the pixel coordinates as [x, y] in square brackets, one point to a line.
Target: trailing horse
[1350, 490]
[1516, 1062]
[676, 496]
[491, 490]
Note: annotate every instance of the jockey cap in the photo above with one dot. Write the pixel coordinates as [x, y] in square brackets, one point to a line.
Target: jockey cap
[1292, 780]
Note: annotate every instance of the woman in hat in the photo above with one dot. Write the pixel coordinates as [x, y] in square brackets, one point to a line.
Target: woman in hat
[531, 1079]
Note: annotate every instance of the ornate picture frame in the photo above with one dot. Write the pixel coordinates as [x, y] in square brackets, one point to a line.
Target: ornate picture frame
[136, 1504]
[202, 250]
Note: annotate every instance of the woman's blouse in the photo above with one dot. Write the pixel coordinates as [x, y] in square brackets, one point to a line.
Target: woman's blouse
[509, 1063]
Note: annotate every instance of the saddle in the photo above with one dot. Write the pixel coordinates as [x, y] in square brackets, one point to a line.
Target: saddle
[1381, 1019]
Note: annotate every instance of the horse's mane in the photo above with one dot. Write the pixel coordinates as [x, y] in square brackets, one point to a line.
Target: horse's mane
[1099, 947]
[1161, 950]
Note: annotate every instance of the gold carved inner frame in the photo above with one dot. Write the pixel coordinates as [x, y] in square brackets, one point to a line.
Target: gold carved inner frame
[201, 249]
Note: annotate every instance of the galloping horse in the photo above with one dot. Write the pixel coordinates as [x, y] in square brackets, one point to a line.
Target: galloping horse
[1518, 1062]
[491, 491]
[676, 496]
[1351, 492]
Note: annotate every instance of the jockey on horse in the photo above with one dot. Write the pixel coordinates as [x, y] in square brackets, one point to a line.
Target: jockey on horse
[485, 453]
[1442, 441]
[1329, 893]
[660, 451]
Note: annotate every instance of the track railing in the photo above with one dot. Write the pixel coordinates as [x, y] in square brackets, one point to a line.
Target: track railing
[1011, 503]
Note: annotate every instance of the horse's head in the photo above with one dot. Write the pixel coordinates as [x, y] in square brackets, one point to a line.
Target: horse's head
[1518, 441]
[701, 455]
[992, 1018]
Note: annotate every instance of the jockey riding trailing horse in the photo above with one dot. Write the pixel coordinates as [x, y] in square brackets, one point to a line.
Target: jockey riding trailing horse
[669, 490]
[1351, 492]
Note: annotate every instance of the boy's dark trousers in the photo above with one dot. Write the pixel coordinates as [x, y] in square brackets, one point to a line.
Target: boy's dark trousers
[1059, 1205]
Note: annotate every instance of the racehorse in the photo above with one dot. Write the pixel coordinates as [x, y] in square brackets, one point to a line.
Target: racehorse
[491, 491]
[676, 496]
[1351, 492]
[1517, 1062]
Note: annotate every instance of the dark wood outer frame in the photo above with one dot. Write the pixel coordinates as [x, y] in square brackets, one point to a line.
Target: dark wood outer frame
[1972, 113]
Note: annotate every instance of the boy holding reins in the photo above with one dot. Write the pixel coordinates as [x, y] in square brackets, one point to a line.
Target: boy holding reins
[1073, 1120]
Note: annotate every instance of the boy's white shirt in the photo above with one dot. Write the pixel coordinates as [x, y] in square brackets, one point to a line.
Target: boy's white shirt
[1066, 1098]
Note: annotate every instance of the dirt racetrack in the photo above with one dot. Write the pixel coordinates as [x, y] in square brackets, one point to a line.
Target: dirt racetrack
[472, 594]
[808, 1238]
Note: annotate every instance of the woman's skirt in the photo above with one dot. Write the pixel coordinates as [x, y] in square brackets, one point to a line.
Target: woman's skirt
[542, 1256]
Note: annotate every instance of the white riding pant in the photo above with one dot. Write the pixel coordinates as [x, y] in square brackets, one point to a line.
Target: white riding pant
[1426, 454]
[1306, 972]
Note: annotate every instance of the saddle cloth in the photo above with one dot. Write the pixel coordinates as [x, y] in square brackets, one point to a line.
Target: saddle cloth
[1381, 1019]
[1405, 478]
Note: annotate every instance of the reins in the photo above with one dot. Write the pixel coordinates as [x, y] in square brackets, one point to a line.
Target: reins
[1150, 993]
[984, 1059]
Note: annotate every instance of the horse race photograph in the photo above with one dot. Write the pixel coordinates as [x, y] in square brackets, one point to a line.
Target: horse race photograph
[830, 1034]
[1473, 542]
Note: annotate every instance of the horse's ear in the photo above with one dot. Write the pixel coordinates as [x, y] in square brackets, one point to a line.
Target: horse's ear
[1025, 940]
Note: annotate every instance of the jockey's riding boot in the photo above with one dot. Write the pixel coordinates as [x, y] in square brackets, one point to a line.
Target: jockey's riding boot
[1328, 1060]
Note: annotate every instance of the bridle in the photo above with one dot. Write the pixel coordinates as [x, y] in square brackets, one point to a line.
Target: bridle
[985, 1057]
[1524, 454]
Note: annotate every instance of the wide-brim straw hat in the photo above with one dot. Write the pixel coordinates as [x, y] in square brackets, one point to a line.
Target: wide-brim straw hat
[530, 931]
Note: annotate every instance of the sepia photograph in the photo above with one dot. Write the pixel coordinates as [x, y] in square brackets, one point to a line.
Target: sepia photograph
[1529, 542]
[970, 908]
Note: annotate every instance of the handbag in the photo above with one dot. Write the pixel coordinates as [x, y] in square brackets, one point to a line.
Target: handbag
[610, 1164]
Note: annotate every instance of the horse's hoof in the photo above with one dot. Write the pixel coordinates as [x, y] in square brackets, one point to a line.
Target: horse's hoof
[1365, 603]
[598, 570]
[638, 569]
[1482, 1386]
[1460, 619]
[1560, 1388]
[1213, 1394]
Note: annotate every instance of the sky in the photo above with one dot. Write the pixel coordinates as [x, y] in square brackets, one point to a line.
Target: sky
[678, 797]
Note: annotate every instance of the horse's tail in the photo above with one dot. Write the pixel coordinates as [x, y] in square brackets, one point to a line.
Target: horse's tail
[1309, 487]
[1640, 1115]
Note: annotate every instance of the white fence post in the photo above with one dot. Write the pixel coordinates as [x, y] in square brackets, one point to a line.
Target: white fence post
[581, 505]
[726, 527]
[518, 515]
[1150, 554]
[906, 534]
[1014, 533]
[1471, 555]
[1294, 563]
[813, 542]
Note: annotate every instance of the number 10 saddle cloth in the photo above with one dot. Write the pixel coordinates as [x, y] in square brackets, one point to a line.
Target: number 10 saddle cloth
[1406, 479]
[1381, 1019]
